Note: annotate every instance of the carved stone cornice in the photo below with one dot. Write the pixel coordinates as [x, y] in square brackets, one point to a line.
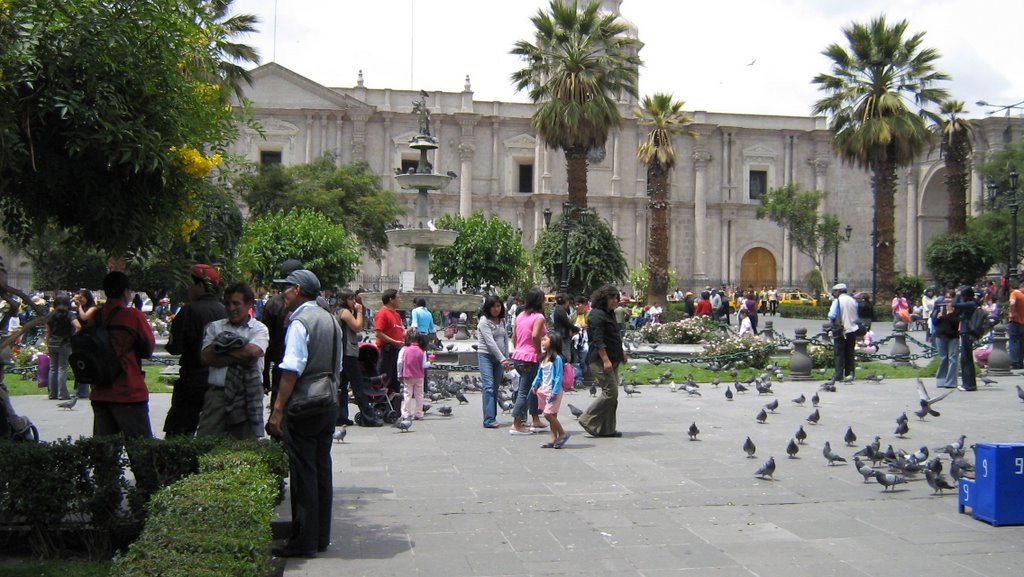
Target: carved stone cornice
[820, 165]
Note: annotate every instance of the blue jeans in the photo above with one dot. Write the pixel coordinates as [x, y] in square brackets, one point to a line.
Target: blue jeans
[525, 399]
[949, 353]
[58, 381]
[1015, 331]
[490, 376]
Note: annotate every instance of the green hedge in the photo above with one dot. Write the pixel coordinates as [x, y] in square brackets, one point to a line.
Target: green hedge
[67, 496]
[215, 523]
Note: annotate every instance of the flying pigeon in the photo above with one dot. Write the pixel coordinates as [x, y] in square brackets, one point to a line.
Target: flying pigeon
[767, 470]
[693, 431]
[832, 458]
[749, 448]
[928, 399]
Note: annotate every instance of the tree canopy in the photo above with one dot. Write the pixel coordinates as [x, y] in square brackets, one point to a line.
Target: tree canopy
[488, 253]
[958, 258]
[350, 195]
[796, 211]
[108, 111]
[595, 257]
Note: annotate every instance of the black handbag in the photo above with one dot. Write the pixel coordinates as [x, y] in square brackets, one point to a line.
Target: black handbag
[316, 396]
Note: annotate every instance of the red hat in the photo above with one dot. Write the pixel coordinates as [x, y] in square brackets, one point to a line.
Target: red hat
[205, 272]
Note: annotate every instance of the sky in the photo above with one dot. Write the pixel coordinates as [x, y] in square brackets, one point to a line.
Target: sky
[750, 57]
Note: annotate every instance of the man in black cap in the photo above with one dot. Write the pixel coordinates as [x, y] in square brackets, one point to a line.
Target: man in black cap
[187, 340]
[313, 349]
[275, 317]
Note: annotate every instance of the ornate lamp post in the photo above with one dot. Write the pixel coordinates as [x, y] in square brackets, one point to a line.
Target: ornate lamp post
[835, 255]
[1014, 203]
[566, 226]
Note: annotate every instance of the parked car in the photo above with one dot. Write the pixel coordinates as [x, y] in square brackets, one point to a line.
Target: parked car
[797, 298]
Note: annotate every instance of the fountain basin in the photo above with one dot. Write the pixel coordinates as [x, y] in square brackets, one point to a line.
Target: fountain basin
[435, 301]
[420, 181]
[421, 237]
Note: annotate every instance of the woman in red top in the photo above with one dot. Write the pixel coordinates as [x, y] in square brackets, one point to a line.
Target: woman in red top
[703, 307]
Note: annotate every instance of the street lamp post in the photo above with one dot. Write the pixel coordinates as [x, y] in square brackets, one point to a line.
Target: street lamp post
[566, 226]
[1014, 203]
[835, 254]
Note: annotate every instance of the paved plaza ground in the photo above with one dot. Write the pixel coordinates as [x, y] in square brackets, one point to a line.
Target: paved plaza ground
[450, 498]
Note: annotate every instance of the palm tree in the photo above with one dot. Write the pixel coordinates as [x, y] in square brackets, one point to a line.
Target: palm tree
[871, 94]
[665, 118]
[220, 28]
[956, 146]
[579, 61]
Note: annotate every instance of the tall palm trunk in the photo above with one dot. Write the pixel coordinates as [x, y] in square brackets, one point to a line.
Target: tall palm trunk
[883, 180]
[576, 171]
[957, 180]
[658, 242]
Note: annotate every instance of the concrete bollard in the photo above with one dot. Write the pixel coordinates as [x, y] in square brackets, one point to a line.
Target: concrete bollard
[999, 358]
[800, 364]
[900, 351]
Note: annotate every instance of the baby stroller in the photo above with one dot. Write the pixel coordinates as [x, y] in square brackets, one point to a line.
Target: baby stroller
[13, 426]
[376, 386]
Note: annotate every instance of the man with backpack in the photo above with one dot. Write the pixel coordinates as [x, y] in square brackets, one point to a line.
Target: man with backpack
[123, 405]
[843, 316]
[972, 327]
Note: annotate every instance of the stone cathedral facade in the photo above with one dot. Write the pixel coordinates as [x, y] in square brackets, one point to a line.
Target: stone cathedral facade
[506, 170]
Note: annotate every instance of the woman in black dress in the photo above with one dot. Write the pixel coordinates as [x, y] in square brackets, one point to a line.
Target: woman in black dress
[603, 360]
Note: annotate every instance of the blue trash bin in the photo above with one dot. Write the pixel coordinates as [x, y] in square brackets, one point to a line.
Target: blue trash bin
[997, 496]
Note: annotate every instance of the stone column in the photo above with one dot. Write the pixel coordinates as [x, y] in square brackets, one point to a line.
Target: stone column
[701, 158]
[324, 124]
[466, 151]
[359, 118]
[309, 137]
[911, 240]
[339, 125]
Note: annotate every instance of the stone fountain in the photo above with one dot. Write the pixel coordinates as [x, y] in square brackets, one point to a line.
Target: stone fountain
[422, 235]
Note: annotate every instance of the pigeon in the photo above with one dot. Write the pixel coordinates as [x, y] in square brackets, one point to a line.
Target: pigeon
[630, 391]
[800, 435]
[692, 390]
[828, 386]
[876, 378]
[767, 470]
[774, 404]
[814, 417]
[792, 449]
[926, 410]
[633, 368]
[69, 405]
[668, 375]
[693, 431]
[716, 381]
[902, 429]
[404, 425]
[954, 449]
[988, 381]
[957, 467]
[889, 480]
[451, 174]
[1020, 393]
[728, 393]
[926, 398]
[865, 471]
[815, 400]
[850, 437]
[461, 397]
[339, 435]
[762, 416]
[871, 376]
[901, 419]
[593, 390]
[445, 410]
[506, 407]
[800, 400]
[832, 458]
[749, 448]
[937, 482]
[749, 380]
[739, 387]
[576, 411]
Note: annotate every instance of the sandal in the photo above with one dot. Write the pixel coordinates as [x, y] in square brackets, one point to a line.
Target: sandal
[560, 442]
[549, 446]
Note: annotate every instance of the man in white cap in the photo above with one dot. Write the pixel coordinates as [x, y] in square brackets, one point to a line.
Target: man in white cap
[843, 316]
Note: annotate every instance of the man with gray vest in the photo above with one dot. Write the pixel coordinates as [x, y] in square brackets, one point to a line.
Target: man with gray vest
[312, 349]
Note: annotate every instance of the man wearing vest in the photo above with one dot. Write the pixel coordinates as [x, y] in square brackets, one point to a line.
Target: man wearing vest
[312, 348]
[1015, 328]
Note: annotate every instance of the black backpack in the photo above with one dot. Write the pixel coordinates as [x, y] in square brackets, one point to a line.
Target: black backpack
[93, 359]
[977, 324]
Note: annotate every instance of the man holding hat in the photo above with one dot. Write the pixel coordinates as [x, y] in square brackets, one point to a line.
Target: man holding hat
[187, 340]
[312, 349]
[843, 316]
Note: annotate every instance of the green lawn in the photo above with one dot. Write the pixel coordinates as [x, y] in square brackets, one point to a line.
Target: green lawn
[21, 567]
[17, 385]
[644, 372]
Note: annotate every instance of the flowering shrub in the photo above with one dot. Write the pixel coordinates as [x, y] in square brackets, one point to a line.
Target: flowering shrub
[195, 162]
[27, 355]
[754, 352]
[822, 356]
[685, 332]
[159, 327]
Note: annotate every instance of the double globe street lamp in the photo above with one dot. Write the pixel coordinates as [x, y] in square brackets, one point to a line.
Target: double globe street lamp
[1012, 201]
[567, 225]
